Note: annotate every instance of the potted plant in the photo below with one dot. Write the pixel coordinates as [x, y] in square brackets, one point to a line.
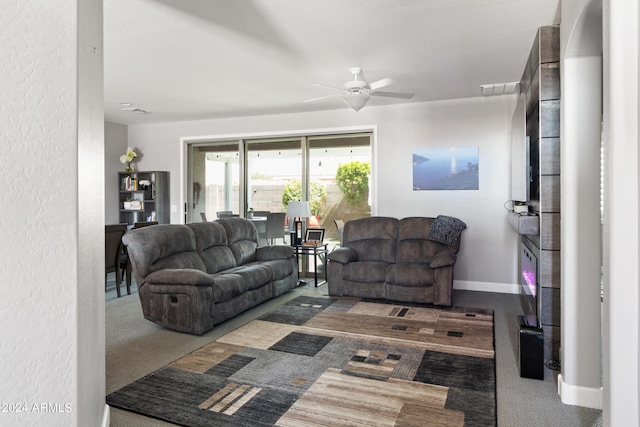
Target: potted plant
[128, 158]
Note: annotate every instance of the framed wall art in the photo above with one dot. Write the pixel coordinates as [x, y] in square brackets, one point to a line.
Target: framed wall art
[453, 168]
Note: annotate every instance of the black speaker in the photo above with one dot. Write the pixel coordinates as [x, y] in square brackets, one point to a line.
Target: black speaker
[531, 348]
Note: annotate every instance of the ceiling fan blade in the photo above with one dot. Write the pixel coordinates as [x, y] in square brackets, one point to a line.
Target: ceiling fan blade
[393, 94]
[381, 83]
[323, 97]
[327, 86]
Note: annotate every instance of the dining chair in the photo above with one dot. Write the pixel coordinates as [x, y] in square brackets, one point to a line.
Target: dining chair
[275, 226]
[203, 216]
[113, 252]
[125, 262]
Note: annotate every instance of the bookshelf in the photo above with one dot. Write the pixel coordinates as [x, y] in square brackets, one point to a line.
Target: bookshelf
[144, 196]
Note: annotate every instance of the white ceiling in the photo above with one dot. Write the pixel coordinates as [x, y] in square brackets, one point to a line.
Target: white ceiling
[203, 59]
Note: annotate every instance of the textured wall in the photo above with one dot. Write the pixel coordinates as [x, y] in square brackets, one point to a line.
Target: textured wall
[40, 343]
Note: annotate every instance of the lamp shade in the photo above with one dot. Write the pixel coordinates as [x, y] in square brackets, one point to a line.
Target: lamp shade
[299, 209]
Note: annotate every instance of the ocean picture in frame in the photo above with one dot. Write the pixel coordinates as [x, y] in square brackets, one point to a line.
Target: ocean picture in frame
[451, 168]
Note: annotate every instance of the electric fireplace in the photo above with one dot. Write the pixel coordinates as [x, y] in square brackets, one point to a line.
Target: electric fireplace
[530, 287]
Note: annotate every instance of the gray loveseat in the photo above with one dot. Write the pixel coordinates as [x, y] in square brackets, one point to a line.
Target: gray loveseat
[195, 276]
[409, 259]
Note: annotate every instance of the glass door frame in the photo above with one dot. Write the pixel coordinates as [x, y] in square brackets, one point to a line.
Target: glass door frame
[186, 196]
[187, 143]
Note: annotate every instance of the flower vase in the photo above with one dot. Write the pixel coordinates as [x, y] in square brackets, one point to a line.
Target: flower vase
[129, 168]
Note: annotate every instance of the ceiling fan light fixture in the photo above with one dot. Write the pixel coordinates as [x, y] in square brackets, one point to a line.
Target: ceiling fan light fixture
[356, 100]
[356, 92]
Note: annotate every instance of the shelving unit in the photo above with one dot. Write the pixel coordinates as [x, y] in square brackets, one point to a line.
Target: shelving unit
[144, 196]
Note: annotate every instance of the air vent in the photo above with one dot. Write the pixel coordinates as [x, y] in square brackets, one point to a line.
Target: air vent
[498, 89]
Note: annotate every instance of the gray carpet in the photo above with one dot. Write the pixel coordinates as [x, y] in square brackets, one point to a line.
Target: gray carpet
[136, 347]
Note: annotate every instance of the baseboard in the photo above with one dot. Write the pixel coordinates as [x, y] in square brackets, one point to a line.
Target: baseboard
[106, 416]
[579, 396]
[501, 288]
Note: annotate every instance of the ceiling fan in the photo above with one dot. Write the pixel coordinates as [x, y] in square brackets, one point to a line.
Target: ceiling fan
[356, 92]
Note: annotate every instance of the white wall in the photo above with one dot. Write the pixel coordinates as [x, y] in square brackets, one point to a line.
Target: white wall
[488, 256]
[115, 145]
[581, 66]
[52, 216]
[622, 249]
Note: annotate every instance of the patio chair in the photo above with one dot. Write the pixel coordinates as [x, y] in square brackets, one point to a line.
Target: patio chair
[340, 226]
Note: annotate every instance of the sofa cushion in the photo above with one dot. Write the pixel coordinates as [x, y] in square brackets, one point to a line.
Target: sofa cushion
[280, 268]
[372, 238]
[410, 274]
[365, 271]
[254, 275]
[162, 246]
[242, 238]
[414, 242]
[343, 255]
[228, 286]
[212, 245]
[267, 253]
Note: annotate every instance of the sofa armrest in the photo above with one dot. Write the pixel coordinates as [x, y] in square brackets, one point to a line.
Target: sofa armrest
[343, 255]
[443, 259]
[268, 253]
[180, 276]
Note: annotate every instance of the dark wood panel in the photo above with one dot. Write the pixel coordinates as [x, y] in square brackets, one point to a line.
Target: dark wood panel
[549, 44]
[550, 156]
[534, 96]
[550, 306]
[550, 231]
[533, 127]
[551, 342]
[549, 81]
[550, 193]
[550, 119]
[549, 267]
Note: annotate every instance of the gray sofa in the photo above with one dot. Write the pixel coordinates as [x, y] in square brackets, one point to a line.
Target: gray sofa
[195, 276]
[408, 260]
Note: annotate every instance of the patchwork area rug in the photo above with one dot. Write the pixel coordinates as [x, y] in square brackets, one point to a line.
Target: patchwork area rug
[318, 361]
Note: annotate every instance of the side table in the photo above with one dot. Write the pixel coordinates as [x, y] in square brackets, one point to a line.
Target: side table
[315, 251]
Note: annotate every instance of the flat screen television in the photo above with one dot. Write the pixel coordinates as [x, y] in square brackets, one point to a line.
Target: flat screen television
[520, 162]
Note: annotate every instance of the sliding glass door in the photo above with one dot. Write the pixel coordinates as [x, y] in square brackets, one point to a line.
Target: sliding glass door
[273, 167]
[214, 175]
[245, 177]
[341, 166]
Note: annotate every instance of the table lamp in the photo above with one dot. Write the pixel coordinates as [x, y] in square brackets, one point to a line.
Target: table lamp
[296, 211]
